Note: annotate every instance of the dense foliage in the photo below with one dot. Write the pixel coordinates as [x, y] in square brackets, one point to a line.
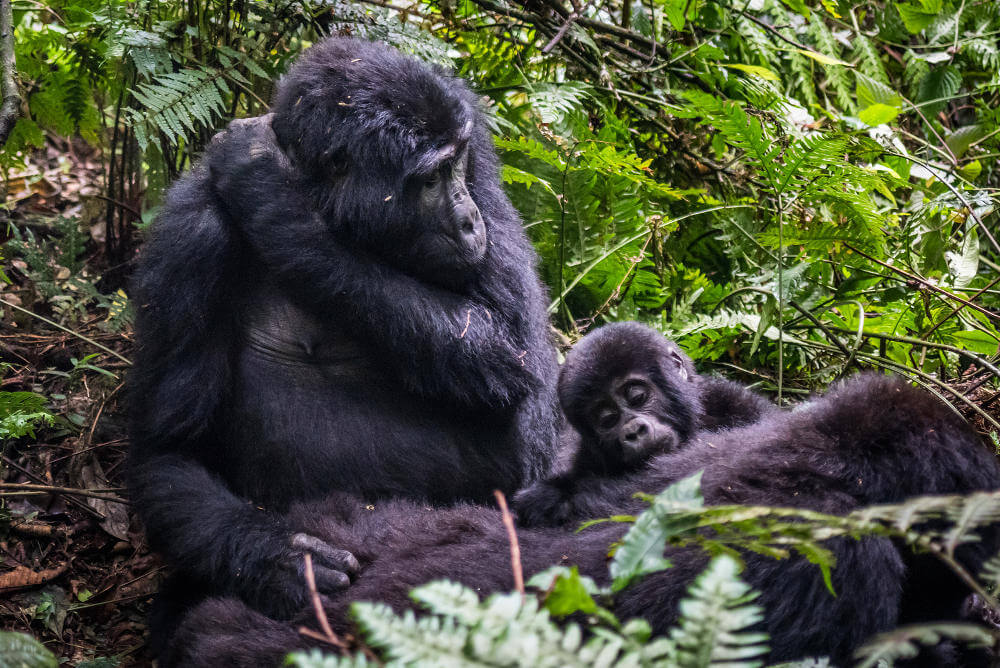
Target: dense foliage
[789, 188]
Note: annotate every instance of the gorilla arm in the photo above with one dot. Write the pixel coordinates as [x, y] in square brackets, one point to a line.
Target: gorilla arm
[476, 349]
[181, 377]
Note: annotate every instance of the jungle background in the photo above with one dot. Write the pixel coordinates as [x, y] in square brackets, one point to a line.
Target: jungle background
[791, 189]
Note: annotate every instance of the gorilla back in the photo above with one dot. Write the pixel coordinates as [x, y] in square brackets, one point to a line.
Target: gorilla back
[339, 297]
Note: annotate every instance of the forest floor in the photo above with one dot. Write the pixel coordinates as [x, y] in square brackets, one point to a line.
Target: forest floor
[75, 572]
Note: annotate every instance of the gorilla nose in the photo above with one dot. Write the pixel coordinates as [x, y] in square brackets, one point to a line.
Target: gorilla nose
[470, 230]
[636, 432]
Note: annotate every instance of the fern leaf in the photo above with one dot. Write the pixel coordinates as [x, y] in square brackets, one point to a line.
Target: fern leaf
[710, 629]
[905, 642]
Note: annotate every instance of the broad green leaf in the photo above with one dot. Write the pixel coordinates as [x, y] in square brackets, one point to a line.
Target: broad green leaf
[755, 70]
[916, 17]
[821, 57]
[674, 9]
[871, 92]
[975, 341]
[798, 6]
[878, 114]
[938, 84]
[965, 265]
[570, 594]
[960, 140]
[971, 170]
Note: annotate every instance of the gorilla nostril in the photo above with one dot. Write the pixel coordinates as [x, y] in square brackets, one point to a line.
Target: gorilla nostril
[468, 227]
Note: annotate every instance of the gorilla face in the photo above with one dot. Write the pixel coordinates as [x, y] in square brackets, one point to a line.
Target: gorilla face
[630, 394]
[630, 420]
[450, 234]
[392, 152]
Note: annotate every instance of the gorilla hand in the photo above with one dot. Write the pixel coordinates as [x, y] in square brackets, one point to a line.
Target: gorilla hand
[278, 585]
[544, 503]
[331, 567]
[247, 166]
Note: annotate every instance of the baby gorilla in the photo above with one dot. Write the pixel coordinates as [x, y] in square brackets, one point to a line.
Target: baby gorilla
[870, 440]
[628, 394]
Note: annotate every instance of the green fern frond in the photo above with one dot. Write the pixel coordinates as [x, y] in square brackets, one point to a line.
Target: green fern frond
[710, 630]
[178, 103]
[837, 75]
[869, 62]
[905, 642]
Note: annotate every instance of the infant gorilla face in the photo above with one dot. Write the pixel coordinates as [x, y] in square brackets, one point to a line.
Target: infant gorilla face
[629, 420]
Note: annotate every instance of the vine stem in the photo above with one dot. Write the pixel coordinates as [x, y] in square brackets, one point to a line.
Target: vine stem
[67, 330]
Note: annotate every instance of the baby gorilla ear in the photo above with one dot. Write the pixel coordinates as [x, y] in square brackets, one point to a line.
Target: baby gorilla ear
[673, 359]
[682, 371]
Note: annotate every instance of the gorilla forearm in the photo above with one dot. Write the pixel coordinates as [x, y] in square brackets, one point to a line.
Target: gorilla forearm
[462, 347]
[216, 538]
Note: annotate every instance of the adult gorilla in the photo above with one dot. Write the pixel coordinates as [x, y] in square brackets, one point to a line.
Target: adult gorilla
[347, 302]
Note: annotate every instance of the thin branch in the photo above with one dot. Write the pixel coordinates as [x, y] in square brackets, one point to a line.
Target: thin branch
[324, 623]
[515, 547]
[927, 284]
[52, 489]
[66, 329]
[565, 28]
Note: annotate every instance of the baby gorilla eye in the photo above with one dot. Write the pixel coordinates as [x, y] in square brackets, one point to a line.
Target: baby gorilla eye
[607, 418]
[635, 394]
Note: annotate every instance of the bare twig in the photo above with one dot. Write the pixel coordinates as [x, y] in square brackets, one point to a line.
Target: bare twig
[515, 547]
[11, 105]
[565, 27]
[40, 480]
[66, 329]
[324, 623]
[53, 489]
[927, 284]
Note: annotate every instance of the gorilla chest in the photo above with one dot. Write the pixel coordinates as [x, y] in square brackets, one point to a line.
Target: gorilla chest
[320, 410]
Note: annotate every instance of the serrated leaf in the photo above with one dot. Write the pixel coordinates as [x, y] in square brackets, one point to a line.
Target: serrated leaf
[939, 83]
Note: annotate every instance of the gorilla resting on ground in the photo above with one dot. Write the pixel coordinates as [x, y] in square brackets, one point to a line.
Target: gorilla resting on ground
[872, 439]
[339, 297]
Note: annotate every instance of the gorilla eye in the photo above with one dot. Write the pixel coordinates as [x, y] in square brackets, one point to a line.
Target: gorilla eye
[607, 418]
[432, 181]
[635, 394]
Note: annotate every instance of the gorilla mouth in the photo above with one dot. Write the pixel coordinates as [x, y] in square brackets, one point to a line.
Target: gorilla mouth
[638, 452]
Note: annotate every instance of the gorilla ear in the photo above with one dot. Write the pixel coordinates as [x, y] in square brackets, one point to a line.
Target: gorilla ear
[678, 361]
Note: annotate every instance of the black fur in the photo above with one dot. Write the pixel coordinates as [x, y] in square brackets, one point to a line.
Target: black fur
[345, 302]
[872, 439]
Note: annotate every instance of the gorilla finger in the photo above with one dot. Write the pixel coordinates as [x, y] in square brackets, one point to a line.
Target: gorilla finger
[329, 556]
[329, 581]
